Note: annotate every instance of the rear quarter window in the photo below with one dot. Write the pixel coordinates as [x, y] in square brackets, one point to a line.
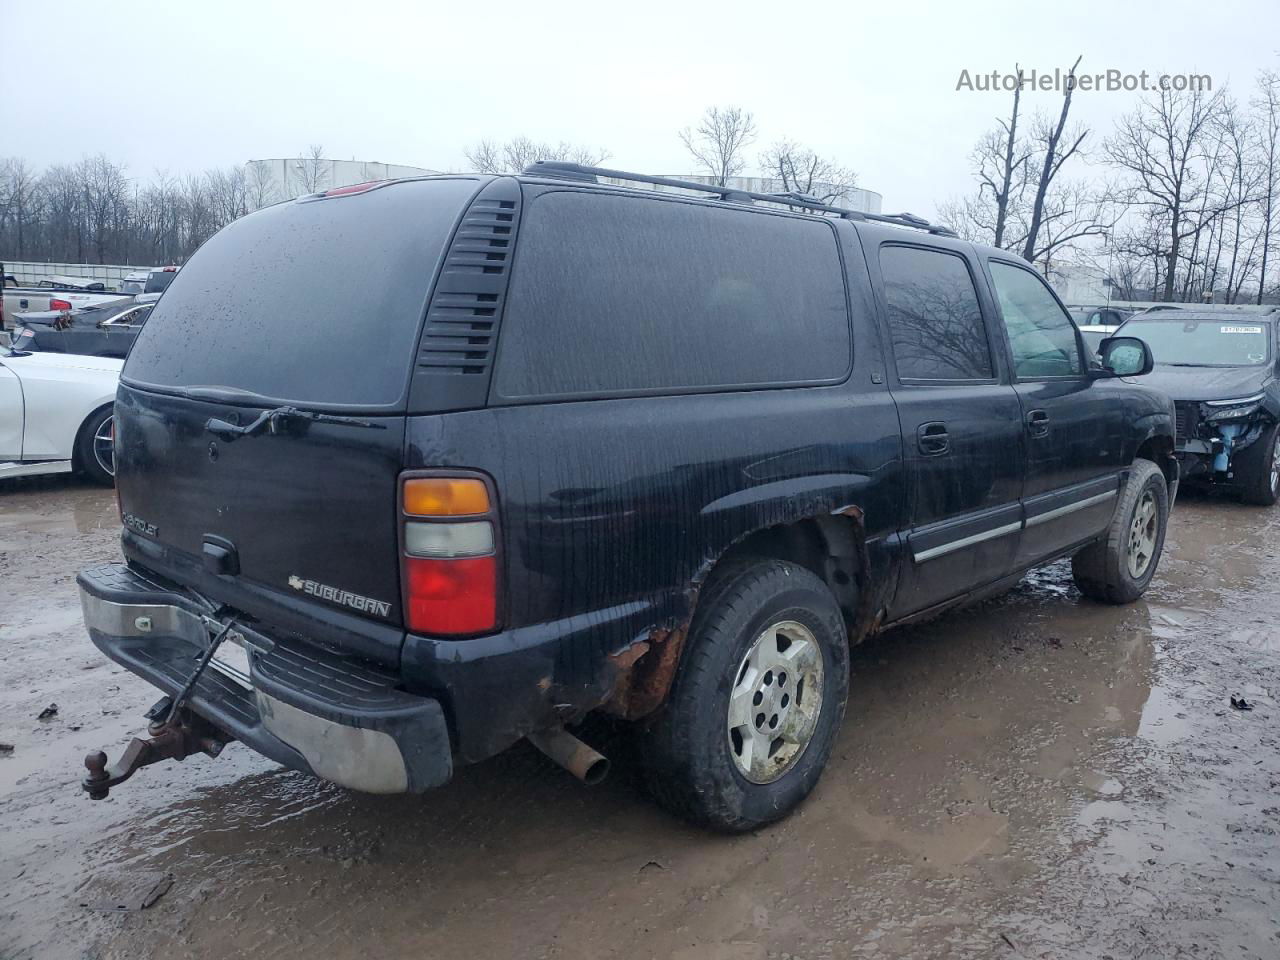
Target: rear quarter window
[618, 295]
[317, 302]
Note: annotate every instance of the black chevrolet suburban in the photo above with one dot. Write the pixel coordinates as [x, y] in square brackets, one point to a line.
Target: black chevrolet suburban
[659, 453]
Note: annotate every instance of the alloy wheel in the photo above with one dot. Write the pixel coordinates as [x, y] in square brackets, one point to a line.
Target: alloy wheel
[1142, 535]
[1275, 466]
[104, 446]
[775, 702]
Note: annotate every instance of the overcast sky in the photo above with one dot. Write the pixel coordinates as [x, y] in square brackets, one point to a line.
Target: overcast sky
[182, 87]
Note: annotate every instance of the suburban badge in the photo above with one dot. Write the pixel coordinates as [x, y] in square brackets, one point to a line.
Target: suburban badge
[344, 597]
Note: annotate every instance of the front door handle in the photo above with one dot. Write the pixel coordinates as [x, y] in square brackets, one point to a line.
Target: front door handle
[932, 439]
[1038, 423]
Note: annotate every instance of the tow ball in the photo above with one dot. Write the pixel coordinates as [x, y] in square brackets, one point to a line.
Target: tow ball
[173, 736]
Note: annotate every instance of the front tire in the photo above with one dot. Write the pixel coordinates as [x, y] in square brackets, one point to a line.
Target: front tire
[1118, 568]
[1260, 466]
[95, 447]
[757, 702]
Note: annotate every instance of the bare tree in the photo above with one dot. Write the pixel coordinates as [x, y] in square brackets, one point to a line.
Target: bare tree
[104, 189]
[1071, 212]
[261, 185]
[1056, 147]
[1164, 148]
[719, 142]
[311, 171]
[1266, 106]
[801, 170]
[1001, 163]
[228, 194]
[514, 155]
[19, 200]
[1238, 229]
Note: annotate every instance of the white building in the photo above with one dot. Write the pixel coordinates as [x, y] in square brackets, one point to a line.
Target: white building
[285, 178]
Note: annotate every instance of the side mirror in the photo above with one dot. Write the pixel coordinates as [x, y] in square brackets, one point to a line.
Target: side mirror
[1125, 357]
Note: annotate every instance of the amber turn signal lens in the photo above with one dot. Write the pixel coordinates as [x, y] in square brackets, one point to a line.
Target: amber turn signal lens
[445, 497]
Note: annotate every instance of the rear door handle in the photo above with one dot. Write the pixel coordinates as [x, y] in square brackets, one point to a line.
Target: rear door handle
[1038, 423]
[932, 439]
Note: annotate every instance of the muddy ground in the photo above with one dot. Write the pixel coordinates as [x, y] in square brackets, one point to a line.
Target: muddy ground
[1037, 777]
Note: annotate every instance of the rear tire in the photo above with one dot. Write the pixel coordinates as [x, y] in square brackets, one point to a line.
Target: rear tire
[95, 447]
[1260, 466]
[757, 701]
[1118, 568]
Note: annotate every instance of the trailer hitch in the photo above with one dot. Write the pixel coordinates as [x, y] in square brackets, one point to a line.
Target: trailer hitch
[174, 736]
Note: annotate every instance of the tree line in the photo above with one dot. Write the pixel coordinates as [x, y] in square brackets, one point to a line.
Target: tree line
[1177, 201]
[719, 145]
[92, 211]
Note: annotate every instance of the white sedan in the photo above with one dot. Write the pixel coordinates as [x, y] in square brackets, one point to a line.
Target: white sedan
[55, 414]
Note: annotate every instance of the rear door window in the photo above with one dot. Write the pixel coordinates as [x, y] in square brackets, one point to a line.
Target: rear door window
[314, 301]
[935, 322]
[613, 295]
[1041, 335]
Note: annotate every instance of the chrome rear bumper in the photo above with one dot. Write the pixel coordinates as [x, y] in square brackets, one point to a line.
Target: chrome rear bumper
[310, 709]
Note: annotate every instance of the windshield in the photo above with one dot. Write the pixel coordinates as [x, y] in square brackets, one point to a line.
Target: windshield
[1203, 342]
[133, 286]
[159, 281]
[315, 301]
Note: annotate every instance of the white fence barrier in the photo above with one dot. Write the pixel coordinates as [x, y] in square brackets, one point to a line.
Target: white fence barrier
[111, 274]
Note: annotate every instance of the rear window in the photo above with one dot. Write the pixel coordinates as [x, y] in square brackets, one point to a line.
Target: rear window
[314, 301]
[159, 281]
[614, 294]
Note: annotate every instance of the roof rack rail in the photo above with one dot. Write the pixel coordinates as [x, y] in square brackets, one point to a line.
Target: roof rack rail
[562, 170]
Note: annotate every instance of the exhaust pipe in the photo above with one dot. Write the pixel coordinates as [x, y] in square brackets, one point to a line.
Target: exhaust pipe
[571, 753]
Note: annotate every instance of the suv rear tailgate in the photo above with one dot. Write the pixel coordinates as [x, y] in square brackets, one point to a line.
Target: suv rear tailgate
[311, 309]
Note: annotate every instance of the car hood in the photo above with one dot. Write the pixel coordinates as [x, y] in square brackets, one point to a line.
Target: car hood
[1208, 383]
[66, 361]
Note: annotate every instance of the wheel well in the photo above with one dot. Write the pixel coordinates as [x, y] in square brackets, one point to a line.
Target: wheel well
[80, 432]
[833, 547]
[1159, 450]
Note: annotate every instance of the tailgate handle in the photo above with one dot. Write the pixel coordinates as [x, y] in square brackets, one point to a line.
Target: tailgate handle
[220, 556]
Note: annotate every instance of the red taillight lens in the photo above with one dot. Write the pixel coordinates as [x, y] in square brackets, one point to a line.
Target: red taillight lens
[56, 304]
[353, 188]
[448, 554]
[454, 595]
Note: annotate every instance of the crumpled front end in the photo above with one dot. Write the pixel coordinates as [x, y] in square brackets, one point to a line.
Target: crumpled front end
[1212, 433]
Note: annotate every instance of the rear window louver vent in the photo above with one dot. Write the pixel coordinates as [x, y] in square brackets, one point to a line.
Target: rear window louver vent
[456, 351]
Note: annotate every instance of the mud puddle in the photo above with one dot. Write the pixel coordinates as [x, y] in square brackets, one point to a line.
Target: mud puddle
[1037, 777]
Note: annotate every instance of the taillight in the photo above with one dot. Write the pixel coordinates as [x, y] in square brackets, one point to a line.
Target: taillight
[56, 304]
[449, 563]
[353, 188]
